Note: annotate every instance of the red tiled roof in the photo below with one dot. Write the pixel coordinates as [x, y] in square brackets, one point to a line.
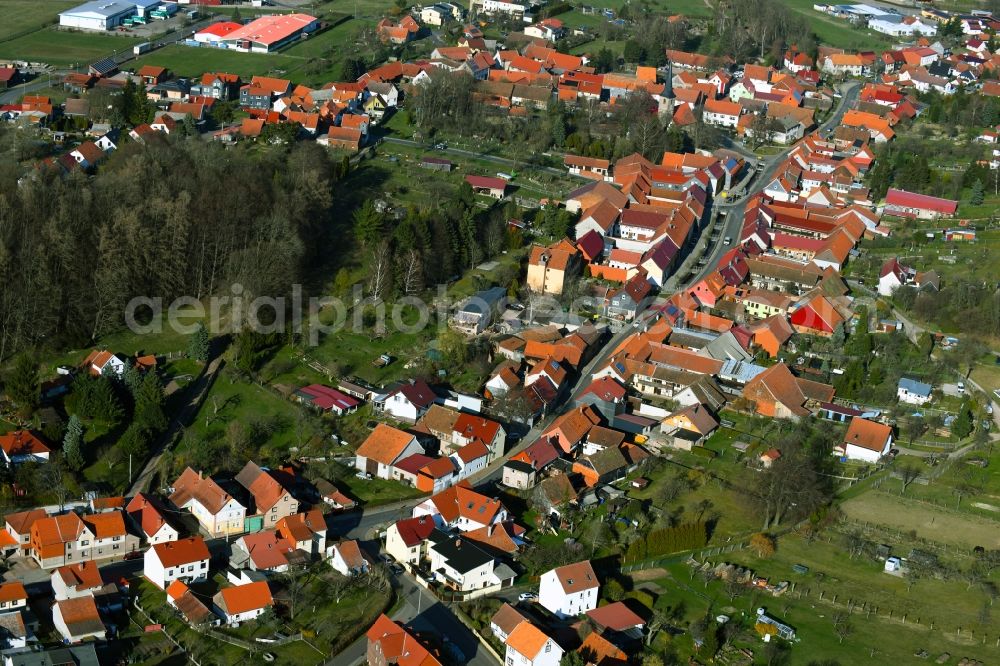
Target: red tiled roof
[182, 551]
[906, 199]
[415, 530]
[244, 598]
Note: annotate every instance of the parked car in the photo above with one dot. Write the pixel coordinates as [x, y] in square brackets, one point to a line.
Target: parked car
[527, 596]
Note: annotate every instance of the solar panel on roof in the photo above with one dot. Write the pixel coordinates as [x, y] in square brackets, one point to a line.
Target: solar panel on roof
[104, 65]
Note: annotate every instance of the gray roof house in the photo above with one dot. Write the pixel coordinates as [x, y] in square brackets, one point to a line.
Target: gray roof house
[913, 392]
[477, 313]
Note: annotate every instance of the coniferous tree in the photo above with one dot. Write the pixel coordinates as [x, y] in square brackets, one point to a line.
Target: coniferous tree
[73, 444]
[22, 385]
[198, 344]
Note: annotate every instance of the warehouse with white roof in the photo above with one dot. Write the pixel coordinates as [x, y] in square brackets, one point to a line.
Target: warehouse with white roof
[104, 14]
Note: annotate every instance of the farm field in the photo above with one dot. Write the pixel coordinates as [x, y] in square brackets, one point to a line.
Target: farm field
[64, 48]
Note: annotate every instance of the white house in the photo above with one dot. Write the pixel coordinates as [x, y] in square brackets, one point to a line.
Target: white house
[347, 559]
[866, 440]
[76, 580]
[721, 112]
[103, 362]
[462, 565]
[502, 7]
[384, 447]
[900, 26]
[470, 459]
[218, 512]
[405, 539]
[184, 559]
[435, 15]
[892, 276]
[913, 392]
[238, 604]
[529, 645]
[78, 619]
[13, 596]
[570, 590]
[409, 402]
[148, 517]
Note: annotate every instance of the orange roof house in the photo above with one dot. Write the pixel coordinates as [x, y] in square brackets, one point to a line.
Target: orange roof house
[271, 499]
[526, 643]
[778, 393]
[549, 267]
[462, 507]
[216, 510]
[384, 447]
[816, 317]
[599, 651]
[771, 333]
[78, 619]
[866, 440]
[569, 430]
[243, 602]
[21, 446]
[391, 643]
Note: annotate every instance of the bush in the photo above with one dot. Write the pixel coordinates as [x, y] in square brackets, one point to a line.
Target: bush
[555, 10]
[644, 597]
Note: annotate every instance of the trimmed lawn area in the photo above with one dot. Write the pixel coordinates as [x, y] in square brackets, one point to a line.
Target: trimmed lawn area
[65, 48]
[20, 15]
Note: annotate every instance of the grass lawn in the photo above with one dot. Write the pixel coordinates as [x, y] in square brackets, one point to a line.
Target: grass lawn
[193, 61]
[372, 492]
[65, 48]
[21, 15]
[838, 32]
[351, 353]
[930, 522]
[231, 399]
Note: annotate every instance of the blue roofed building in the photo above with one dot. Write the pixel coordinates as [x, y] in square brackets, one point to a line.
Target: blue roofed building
[913, 392]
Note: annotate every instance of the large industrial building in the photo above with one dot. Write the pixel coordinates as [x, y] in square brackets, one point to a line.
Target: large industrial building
[105, 14]
[270, 33]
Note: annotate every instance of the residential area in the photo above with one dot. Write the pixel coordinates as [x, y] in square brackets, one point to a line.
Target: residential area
[543, 333]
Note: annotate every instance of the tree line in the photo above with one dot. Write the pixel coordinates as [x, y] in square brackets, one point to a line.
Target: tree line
[664, 541]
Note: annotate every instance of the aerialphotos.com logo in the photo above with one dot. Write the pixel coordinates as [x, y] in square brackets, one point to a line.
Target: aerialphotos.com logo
[316, 317]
